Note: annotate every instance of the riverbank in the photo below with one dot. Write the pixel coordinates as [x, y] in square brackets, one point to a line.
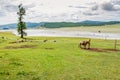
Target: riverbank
[100, 32]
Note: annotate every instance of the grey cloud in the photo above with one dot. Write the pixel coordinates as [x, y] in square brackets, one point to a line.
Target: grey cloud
[41, 4]
[39, 16]
[91, 3]
[2, 14]
[111, 6]
[78, 6]
[116, 2]
[7, 6]
[95, 7]
[64, 15]
[74, 16]
[2, 11]
[14, 8]
[108, 6]
[90, 13]
[29, 6]
[2, 2]
[10, 8]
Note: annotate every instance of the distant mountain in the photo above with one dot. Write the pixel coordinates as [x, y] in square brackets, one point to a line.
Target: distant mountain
[92, 23]
[14, 25]
[98, 23]
[75, 24]
[60, 24]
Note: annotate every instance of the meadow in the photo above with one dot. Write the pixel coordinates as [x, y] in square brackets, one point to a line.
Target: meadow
[59, 58]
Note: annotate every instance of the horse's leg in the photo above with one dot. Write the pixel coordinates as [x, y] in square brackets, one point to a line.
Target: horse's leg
[84, 46]
[88, 45]
[81, 46]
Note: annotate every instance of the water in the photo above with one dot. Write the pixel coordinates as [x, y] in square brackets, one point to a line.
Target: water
[62, 33]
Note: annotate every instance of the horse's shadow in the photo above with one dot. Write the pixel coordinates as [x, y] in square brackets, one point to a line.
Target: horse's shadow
[102, 50]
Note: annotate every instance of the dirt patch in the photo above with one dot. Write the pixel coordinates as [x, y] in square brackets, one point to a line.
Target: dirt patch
[96, 50]
[112, 49]
[21, 41]
[22, 46]
[102, 50]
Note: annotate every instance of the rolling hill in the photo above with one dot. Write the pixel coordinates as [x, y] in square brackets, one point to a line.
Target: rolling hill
[60, 24]
[14, 25]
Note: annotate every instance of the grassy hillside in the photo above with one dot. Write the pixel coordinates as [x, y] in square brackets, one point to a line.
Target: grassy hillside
[57, 59]
[78, 24]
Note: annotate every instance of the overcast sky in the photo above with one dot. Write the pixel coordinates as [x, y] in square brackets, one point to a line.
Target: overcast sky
[60, 10]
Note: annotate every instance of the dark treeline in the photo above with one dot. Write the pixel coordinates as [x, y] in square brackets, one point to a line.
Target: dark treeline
[61, 24]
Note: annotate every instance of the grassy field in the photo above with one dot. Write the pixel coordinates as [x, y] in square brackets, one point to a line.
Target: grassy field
[104, 29]
[58, 58]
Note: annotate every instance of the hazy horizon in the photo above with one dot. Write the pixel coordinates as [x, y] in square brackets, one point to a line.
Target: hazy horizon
[60, 10]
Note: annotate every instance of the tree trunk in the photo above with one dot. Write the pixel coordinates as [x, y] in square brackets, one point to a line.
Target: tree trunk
[21, 30]
[22, 36]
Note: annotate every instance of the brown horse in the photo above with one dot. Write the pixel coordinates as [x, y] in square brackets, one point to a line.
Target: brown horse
[85, 44]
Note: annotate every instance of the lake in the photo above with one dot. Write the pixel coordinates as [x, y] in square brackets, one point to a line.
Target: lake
[62, 33]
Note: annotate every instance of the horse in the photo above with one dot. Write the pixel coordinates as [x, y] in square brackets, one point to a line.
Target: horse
[85, 44]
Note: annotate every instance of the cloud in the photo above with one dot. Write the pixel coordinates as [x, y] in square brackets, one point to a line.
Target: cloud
[88, 13]
[2, 14]
[2, 2]
[110, 6]
[117, 2]
[95, 7]
[10, 8]
[7, 6]
[29, 6]
[72, 6]
[60, 10]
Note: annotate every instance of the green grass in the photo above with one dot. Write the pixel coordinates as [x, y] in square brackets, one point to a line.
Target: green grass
[60, 60]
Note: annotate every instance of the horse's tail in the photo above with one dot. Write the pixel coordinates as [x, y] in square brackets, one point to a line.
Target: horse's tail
[89, 44]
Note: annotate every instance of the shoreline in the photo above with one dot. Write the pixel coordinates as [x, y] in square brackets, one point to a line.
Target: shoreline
[64, 33]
